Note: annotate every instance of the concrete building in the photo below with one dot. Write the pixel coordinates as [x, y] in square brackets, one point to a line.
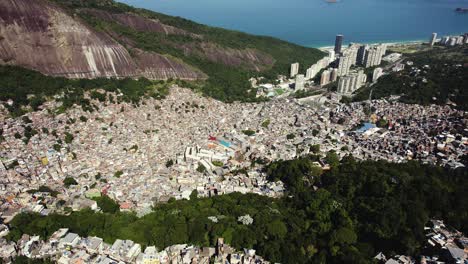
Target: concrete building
[352, 82]
[444, 40]
[319, 65]
[338, 43]
[433, 39]
[294, 69]
[299, 82]
[361, 54]
[452, 41]
[352, 52]
[310, 73]
[376, 74]
[398, 67]
[370, 57]
[373, 55]
[344, 64]
[334, 75]
[325, 78]
[331, 55]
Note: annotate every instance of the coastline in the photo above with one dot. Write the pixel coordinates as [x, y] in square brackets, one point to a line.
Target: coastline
[393, 43]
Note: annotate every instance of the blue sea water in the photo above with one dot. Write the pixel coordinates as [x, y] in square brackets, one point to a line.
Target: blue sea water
[315, 23]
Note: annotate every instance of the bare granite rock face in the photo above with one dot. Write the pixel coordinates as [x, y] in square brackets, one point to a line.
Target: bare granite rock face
[138, 23]
[41, 36]
[249, 58]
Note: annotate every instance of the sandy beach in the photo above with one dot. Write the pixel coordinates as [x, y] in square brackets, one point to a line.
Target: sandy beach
[389, 44]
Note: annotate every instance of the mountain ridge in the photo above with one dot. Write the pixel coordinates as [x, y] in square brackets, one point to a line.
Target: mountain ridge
[100, 38]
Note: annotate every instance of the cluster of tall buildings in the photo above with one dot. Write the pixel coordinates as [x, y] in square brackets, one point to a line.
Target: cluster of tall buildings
[354, 54]
[451, 40]
[372, 56]
[357, 54]
[363, 55]
[312, 71]
[351, 82]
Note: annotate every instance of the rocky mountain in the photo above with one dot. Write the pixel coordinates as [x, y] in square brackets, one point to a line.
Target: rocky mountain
[103, 38]
[40, 35]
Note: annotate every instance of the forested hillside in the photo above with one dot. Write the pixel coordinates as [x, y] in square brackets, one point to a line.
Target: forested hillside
[360, 209]
[437, 76]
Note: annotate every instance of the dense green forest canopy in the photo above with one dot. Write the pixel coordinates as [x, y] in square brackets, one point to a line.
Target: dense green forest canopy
[360, 208]
[444, 79]
[226, 83]
[28, 88]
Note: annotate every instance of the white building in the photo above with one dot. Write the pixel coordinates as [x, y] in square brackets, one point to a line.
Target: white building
[393, 57]
[310, 73]
[325, 78]
[352, 52]
[71, 239]
[344, 64]
[453, 41]
[376, 74]
[299, 82]
[433, 39]
[352, 82]
[398, 67]
[313, 70]
[294, 69]
[373, 55]
[444, 40]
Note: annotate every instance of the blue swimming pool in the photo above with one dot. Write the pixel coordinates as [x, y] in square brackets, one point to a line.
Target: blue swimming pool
[365, 127]
[225, 143]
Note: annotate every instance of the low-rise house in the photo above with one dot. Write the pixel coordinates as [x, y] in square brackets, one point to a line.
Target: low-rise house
[70, 240]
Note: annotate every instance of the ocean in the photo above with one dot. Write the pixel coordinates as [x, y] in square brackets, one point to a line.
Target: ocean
[315, 23]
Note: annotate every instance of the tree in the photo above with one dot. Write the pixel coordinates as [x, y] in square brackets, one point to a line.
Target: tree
[315, 148]
[265, 123]
[57, 147]
[118, 173]
[69, 181]
[217, 163]
[332, 159]
[277, 229]
[201, 168]
[248, 132]
[382, 123]
[343, 236]
[107, 205]
[169, 163]
[315, 132]
[68, 138]
[194, 194]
